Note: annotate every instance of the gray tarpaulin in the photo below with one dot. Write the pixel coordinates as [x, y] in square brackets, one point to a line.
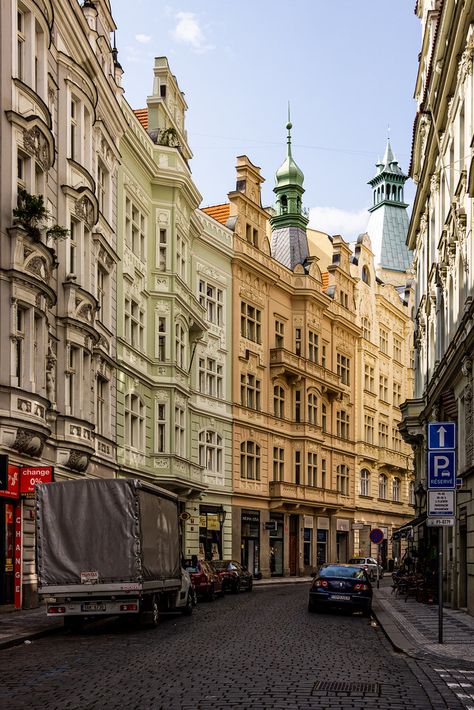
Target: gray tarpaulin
[109, 526]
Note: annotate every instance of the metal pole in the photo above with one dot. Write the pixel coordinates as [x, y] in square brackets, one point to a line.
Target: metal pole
[378, 572]
[440, 585]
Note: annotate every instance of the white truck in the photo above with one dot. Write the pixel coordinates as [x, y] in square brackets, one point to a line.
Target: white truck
[109, 547]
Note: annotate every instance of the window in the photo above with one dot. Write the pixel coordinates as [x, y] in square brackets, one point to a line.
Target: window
[342, 480]
[135, 229]
[101, 401]
[74, 373]
[180, 345]
[343, 368]
[323, 356]
[396, 439]
[103, 189]
[323, 473]
[344, 299]
[383, 486]
[163, 91]
[383, 388]
[366, 328]
[248, 233]
[366, 275]
[134, 421]
[313, 346]
[102, 293]
[383, 341]
[73, 129]
[250, 461]
[279, 334]
[297, 405]
[278, 463]
[298, 341]
[369, 378]
[21, 170]
[396, 490]
[342, 425]
[397, 349]
[210, 377]
[411, 493]
[20, 344]
[163, 240]
[312, 468]
[249, 391]
[255, 237]
[364, 482]
[20, 44]
[134, 324]
[383, 435]
[161, 339]
[211, 298]
[181, 249]
[368, 429]
[72, 246]
[312, 409]
[324, 418]
[250, 322]
[397, 394]
[279, 401]
[298, 468]
[210, 451]
[179, 431]
[161, 428]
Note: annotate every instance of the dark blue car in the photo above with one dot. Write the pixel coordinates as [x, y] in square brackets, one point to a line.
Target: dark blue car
[341, 586]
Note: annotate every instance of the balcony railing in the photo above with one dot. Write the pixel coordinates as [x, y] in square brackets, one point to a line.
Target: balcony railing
[292, 492]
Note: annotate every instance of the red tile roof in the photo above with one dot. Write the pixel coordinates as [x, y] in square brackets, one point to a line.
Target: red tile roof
[142, 115]
[220, 213]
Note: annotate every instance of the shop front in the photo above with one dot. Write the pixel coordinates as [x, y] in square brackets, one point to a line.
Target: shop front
[342, 539]
[10, 536]
[211, 521]
[322, 540]
[276, 544]
[250, 541]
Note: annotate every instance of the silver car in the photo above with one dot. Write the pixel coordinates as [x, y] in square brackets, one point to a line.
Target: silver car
[369, 564]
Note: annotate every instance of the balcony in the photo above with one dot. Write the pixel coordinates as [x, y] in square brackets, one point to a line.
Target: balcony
[179, 475]
[411, 427]
[293, 494]
[293, 367]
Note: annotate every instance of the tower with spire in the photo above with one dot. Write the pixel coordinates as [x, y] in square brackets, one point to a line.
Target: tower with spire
[388, 222]
[289, 242]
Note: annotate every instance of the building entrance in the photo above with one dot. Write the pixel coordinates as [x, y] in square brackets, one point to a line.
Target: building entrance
[7, 537]
[341, 546]
[293, 545]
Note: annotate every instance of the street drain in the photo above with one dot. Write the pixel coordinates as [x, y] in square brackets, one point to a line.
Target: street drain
[341, 687]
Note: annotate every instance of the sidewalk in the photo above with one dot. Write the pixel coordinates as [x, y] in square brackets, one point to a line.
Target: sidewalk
[412, 627]
[25, 625]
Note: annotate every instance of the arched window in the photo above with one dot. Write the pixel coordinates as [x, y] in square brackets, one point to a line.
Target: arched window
[342, 480]
[134, 421]
[312, 408]
[210, 451]
[279, 401]
[365, 482]
[284, 204]
[396, 490]
[366, 275]
[400, 194]
[383, 486]
[250, 461]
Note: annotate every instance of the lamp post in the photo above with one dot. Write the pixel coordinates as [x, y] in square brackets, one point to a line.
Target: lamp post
[420, 498]
[222, 517]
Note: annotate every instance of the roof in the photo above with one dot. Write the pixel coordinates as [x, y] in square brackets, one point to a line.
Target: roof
[221, 213]
[388, 229]
[142, 115]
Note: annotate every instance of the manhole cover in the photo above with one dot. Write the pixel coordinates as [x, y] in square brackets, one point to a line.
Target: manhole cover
[341, 687]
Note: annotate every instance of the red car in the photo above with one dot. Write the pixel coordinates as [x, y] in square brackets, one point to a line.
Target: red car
[235, 577]
[206, 582]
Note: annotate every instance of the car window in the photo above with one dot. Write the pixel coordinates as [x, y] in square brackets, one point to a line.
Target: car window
[219, 565]
[343, 572]
[192, 570]
[372, 561]
[357, 561]
[232, 565]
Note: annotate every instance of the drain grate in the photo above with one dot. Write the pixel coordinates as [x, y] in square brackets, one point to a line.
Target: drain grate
[342, 687]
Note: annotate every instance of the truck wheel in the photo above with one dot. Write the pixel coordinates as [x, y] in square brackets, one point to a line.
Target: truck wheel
[73, 623]
[150, 612]
[188, 609]
[155, 610]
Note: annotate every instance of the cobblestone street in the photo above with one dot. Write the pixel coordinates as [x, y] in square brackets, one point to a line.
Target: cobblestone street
[259, 650]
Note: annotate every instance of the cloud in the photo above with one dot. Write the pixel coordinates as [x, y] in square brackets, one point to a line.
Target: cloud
[143, 39]
[336, 221]
[188, 31]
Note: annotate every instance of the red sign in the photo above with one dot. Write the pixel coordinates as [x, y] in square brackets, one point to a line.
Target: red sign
[13, 489]
[31, 475]
[17, 557]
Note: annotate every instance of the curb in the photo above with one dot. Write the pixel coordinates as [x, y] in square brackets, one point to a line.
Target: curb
[20, 639]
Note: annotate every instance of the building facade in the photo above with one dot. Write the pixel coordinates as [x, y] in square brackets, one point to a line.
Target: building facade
[440, 236]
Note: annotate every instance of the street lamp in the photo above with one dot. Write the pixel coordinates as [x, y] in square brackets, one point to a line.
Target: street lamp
[222, 517]
[420, 498]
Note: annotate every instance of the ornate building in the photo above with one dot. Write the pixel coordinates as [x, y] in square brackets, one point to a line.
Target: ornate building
[440, 236]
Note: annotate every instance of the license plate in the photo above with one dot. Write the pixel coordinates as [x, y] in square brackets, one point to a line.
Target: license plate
[341, 597]
[93, 606]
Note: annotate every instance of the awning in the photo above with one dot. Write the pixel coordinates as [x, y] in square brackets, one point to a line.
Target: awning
[406, 529]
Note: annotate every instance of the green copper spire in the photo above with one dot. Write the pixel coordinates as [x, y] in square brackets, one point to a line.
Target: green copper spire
[289, 173]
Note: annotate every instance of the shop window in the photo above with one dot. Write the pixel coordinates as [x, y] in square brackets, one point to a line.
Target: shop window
[307, 546]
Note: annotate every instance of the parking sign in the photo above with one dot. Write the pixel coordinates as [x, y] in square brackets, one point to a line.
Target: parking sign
[441, 469]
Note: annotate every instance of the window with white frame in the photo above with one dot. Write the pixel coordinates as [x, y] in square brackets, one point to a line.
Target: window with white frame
[342, 480]
[383, 486]
[210, 451]
[250, 391]
[365, 482]
[162, 249]
[366, 329]
[180, 346]
[369, 377]
[250, 461]
[342, 424]
[161, 428]
[397, 349]
[179, 431]
[397, 394]
[102, 386]
[312, 408]
[212, 298]
[313, 346]
[162, 338]
[343, 368]
[72, 246]
[278, 463]
[134, 422]
[279, 401]
[368, 429]
[210, 377]
[396, 490]
[39, 349]
[250, 322]
[78, 257]
[383, 388]
[312, 468]
[134, 324]
[279, 333]
[135, 228]
[383, 341]
[397, 441]
[383, 435]
[181, 256]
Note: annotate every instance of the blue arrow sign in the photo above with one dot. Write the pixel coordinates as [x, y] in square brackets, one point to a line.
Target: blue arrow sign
[442, 435]
[441, 469]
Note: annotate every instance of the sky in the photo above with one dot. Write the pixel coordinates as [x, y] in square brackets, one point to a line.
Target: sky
[347, 67]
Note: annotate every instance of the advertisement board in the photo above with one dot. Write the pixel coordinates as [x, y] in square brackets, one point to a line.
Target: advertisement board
[31, 475]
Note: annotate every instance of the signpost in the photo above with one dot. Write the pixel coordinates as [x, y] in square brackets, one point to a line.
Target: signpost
[441, 476]
[376, 536]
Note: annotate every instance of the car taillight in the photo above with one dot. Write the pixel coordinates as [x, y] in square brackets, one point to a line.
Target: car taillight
[128, 607]
[320, 583]
[360, 587]
[56, 609]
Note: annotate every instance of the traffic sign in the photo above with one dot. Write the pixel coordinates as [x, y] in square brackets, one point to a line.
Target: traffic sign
[442, 435]
[441, 469]
[441, 504]
[376, 536]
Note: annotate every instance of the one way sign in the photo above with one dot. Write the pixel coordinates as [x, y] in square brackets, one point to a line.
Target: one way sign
[441, 435]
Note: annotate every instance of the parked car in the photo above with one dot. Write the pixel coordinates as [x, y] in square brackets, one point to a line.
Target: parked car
[235, 577]
[341, 586]
[206, 581]
[369, 564]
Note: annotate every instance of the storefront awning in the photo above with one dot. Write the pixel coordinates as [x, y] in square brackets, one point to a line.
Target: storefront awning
[406, 529]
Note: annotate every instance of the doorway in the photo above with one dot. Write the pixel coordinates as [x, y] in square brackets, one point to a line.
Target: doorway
[293, 545]
[341, 546]
[6, 552]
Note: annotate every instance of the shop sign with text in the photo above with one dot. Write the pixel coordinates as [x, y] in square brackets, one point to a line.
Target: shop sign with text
[13, 488]
[31, 475]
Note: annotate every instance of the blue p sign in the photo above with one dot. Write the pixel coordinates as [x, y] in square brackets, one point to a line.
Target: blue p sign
[441, 469]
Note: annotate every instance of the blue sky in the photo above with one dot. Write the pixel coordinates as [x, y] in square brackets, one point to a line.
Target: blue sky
[348, 67]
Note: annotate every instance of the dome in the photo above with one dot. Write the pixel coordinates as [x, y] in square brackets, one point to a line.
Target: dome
[289, 173]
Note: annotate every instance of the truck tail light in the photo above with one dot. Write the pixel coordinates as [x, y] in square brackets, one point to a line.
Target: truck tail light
[128, 607]
[56, 609]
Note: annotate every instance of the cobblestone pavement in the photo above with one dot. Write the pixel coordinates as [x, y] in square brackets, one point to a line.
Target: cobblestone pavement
[258, 650]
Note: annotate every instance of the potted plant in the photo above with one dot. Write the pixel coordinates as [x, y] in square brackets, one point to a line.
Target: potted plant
[31, 214]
